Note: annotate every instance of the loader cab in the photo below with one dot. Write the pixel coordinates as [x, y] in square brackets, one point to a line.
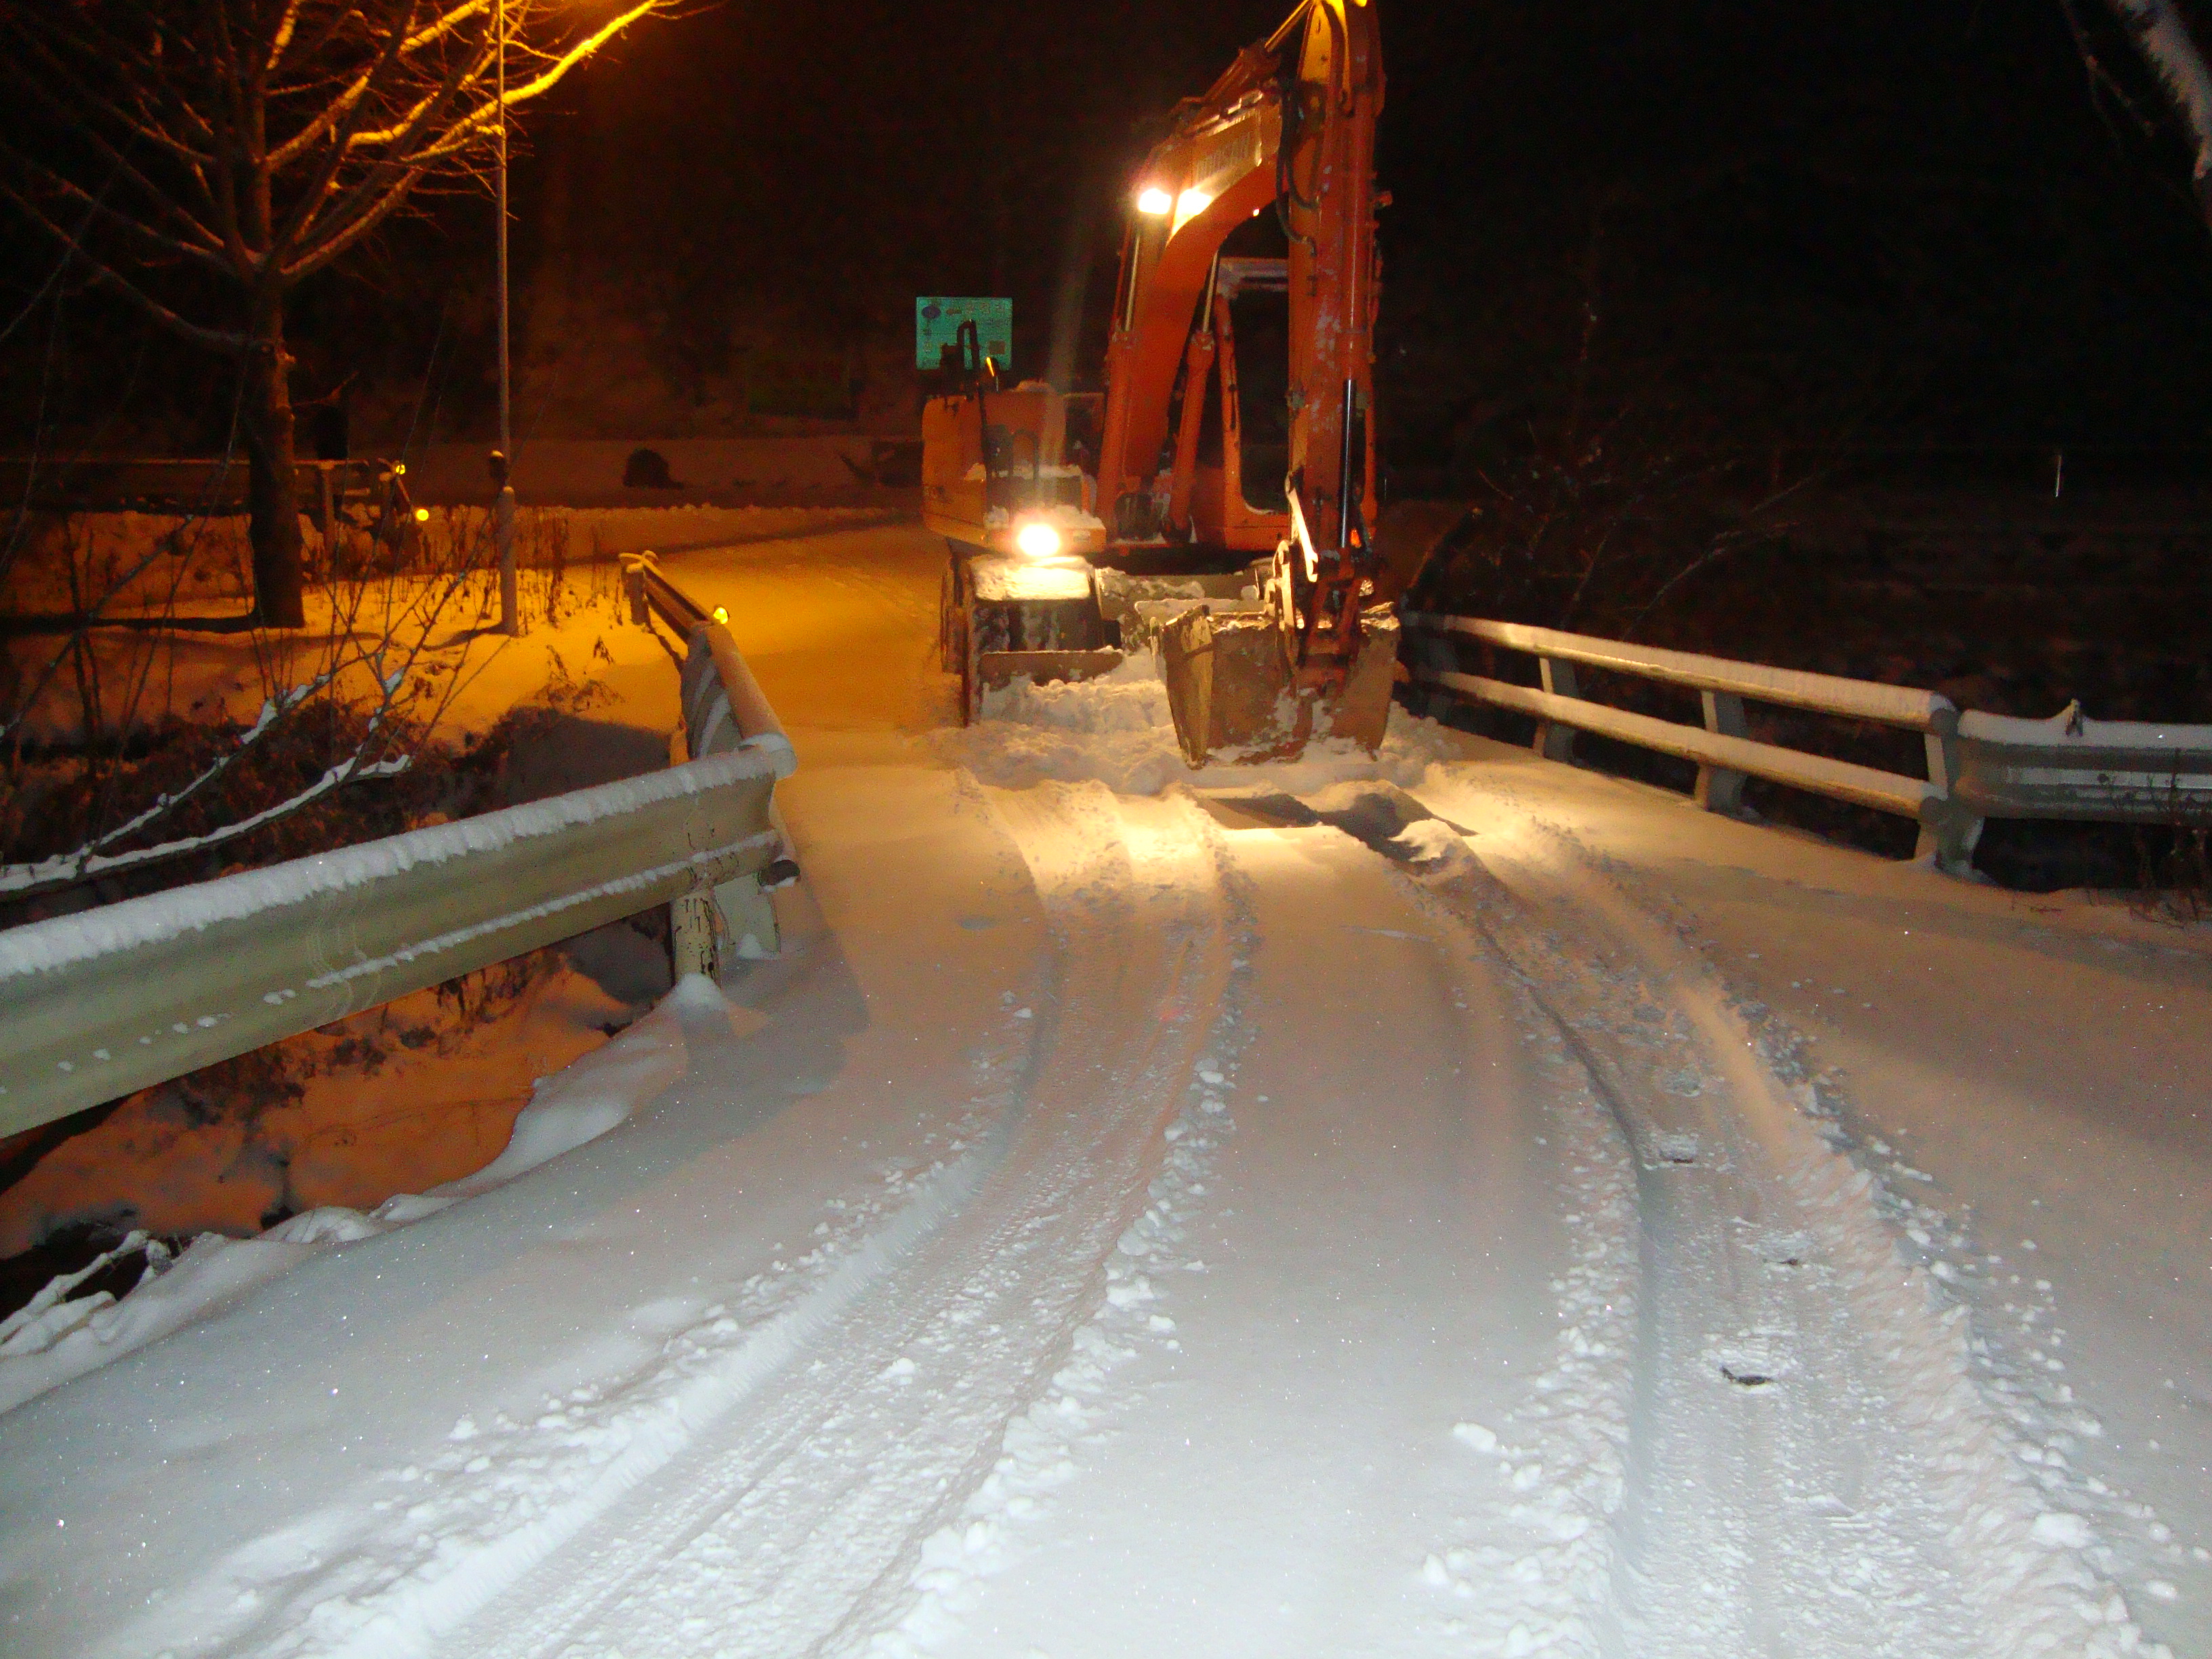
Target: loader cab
[999, 461]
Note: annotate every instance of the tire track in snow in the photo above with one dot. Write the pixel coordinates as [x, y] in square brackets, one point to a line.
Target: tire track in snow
[1529, 1568]
[1811, 1469]
[797, 1525]
[988, 1536]
[466, 1525]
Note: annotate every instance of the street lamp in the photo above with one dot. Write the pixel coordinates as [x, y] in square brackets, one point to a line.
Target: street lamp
[510, 621]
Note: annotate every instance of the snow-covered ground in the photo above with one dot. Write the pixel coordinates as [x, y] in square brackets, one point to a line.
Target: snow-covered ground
[1444, 1203]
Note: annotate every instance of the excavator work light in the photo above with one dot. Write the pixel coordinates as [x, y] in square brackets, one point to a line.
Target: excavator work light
[1191, 203]
[1037, 540]
[1154, 201]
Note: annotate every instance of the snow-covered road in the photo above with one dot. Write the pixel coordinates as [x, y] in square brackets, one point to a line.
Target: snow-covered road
[1446, 1204]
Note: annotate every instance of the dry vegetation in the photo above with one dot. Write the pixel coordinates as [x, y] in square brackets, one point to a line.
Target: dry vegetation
[153, 749]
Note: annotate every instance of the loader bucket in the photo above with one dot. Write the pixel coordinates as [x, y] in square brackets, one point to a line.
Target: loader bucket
[1229, 691]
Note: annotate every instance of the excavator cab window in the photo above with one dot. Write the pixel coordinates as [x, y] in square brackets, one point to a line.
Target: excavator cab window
[1259, 315]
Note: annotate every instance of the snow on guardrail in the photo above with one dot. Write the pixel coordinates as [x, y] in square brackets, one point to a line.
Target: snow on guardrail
[1827, 694]
[723, 705]
[1979, 766]
[107, 1002]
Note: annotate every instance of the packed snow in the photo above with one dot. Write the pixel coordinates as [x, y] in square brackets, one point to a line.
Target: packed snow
[1441, 1201]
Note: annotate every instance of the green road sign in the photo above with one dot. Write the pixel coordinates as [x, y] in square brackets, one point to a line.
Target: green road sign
[937, 321]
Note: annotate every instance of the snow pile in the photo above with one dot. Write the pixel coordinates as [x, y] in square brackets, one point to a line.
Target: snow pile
[1117, 730]
[75, 1337]
[1132, 698]
[596, 1093]
[47, 1317]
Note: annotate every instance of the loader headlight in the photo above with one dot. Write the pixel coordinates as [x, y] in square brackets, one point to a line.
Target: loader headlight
[1154, 201]
[1037, 540]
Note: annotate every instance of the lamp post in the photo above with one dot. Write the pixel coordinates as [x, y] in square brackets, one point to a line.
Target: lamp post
[510, 621]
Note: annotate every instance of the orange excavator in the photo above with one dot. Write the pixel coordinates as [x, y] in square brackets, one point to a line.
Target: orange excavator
[1218, 507]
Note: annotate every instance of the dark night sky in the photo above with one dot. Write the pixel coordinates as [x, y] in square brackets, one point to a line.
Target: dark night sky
[1898, 211]
[1888, 217]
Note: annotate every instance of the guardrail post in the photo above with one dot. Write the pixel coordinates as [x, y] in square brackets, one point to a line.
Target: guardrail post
[640, 608]
[691, 920]
[1553, 740]
[736, 919]
[1719, 789]
[1949, 837]
[1432, 653]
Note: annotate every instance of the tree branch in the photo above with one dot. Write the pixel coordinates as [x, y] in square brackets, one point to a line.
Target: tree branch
[283, 240]
[73, 870]
[141, 125]
[291, 150]
[2161, 34]
[202, 252]
[212, 338]
[485, 116]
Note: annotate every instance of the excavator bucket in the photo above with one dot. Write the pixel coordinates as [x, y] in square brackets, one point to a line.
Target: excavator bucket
[1230, 690]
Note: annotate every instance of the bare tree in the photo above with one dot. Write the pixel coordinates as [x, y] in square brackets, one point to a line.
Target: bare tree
[2161, 34]
[202, 157]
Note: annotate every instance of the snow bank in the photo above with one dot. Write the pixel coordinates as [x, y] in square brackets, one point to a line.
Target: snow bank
[2070, 730]
[75, 1337]
[597, 1093]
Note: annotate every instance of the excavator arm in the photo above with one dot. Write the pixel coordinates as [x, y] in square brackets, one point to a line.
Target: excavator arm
[1290, 128]
[1288, 131]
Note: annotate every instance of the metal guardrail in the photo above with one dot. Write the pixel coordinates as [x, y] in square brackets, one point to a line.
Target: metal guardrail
[723, 705]
[98, 1004]
[1979, 766]
[2070, 767]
